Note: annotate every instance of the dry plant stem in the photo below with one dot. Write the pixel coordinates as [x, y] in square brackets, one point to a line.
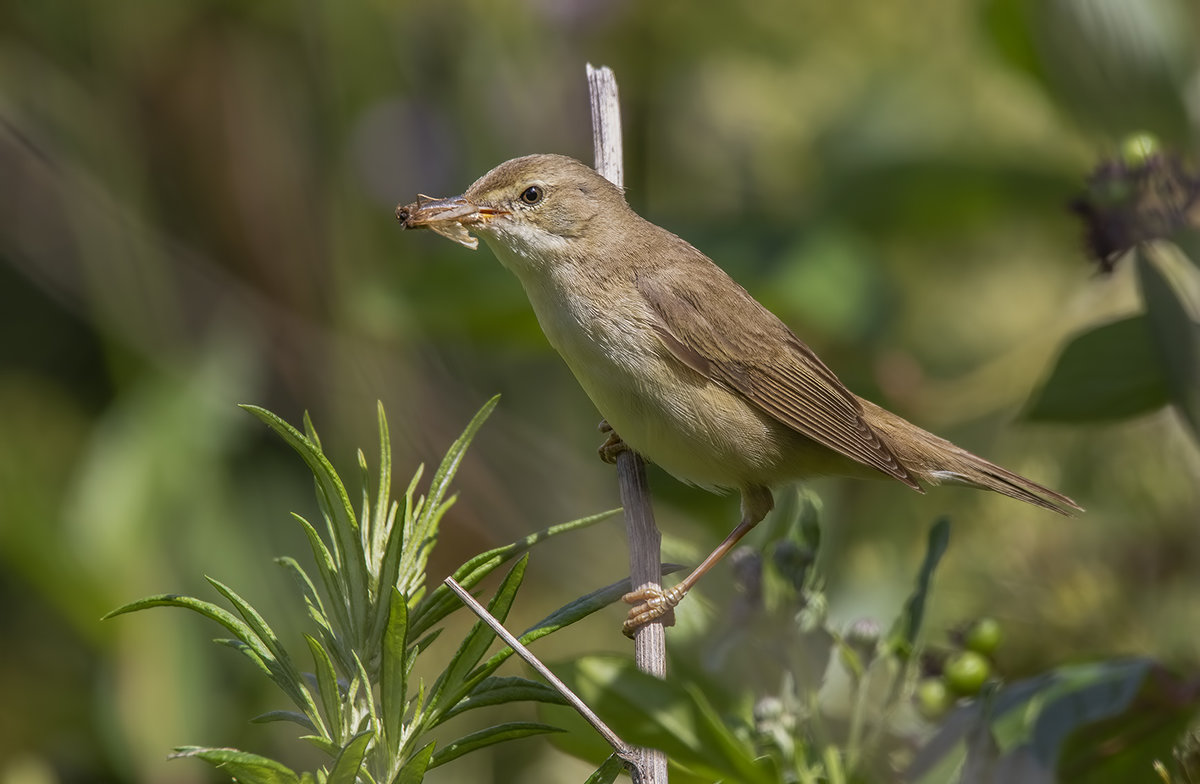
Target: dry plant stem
[645, 558]
[623, 750]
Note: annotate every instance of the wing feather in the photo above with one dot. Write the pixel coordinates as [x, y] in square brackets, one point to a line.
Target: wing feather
[742, 345]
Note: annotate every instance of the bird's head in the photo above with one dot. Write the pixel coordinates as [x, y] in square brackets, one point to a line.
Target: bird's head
[533, 211]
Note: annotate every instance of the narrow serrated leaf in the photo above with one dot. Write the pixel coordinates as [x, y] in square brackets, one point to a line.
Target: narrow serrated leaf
[413, 771]
[349, 761]
[385, 511]
[393, 669]
[562, 618]
[312, 599]
[335, 586]
[608, 772]
[424, 528]
[334, 499]
[456, 681]
[442, 601]
[285, 674]
[247, 768]
[249, 653]
[324, 744]
[499, 691]
[487, 737]
[236, 627]
[328, 689]
[282, 715]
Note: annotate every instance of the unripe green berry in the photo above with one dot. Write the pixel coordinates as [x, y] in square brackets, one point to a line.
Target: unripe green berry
[966, 672]
[984, 636]
[933, 698]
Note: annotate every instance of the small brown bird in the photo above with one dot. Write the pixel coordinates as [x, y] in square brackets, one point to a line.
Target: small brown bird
[689, 369]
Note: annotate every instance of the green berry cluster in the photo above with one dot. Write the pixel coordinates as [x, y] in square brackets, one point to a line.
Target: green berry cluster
[959, 673]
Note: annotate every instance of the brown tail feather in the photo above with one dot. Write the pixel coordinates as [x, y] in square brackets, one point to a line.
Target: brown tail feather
[936, 460]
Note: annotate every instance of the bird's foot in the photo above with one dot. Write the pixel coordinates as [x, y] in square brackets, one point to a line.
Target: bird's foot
[613, 445]
[650, 604]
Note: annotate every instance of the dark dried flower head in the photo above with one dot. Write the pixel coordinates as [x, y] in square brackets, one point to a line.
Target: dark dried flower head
[1145, 195]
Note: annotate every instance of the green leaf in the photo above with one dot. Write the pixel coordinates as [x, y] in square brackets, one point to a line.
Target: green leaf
[327, 685]
[384, 513]
[349, 762]
[1108, 373]
[335, 502]
[498, 691]
[393, 670]
[1175, 334]
[330, 748]
[1130, 719]
[209, 610]
[608, 772]
[457, 679]
[442, 601]
[283, 672]
[424, 529]
[1100, 722]
[903, 636]
[331, 578]
[414, 769]
[247, 768]
[664, 715]
[487, 737]
[564, 617]
[282, 715]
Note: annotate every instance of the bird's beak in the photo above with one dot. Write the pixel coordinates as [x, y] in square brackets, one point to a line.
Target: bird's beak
[448, 217]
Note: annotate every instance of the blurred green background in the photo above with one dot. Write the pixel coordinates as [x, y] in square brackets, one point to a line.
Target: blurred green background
[197, 211]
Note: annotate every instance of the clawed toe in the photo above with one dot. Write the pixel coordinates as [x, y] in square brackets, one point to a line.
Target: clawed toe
[649, 604]
[612, 446]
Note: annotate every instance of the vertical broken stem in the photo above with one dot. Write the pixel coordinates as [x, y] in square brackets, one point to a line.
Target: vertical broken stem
[645, 560]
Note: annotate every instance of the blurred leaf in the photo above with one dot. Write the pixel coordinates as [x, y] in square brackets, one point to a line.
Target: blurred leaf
[1127, 736]
[1107, 373]
[1102, 722]
[665, 715]
[1009, 27]
[903, 636]
[487, 737]
[1175, 335]
[1117, 64]
[247, 768]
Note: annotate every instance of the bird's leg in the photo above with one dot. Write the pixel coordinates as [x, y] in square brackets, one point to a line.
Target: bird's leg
[652, 602]
[612, 446]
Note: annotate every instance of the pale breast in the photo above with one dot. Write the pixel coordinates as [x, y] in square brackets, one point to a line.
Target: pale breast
[695, 429]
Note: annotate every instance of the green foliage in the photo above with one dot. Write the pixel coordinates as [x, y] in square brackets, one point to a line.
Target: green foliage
[373, 617]
[715, 730]
[859, 706]
[1106, 373]
[1138, 364]
[1103, 722]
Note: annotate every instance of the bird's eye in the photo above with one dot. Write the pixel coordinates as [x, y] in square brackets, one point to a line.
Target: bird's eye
[531, 195]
